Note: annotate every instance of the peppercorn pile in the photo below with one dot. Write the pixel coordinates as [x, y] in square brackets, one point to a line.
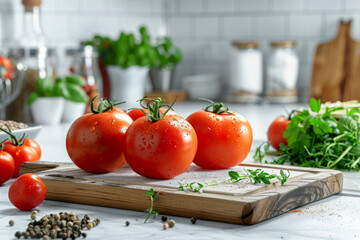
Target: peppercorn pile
[62, 225]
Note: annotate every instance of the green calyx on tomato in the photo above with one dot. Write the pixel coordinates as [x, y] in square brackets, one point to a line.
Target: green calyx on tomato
[154, 105]
[215, 107]
[15, 141]
[105, 105]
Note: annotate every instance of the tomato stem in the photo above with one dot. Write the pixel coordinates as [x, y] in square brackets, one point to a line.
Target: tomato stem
[105, 105]
[215, 107]
[154, 105]
[14, 140]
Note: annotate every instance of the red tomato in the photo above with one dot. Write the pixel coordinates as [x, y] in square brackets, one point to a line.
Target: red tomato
[7, 166]
[137, 113]
[27, 192]
[224, 139]
[28, 152]
[95, 142]
[161, 149]
[276, 132]
[6, 67]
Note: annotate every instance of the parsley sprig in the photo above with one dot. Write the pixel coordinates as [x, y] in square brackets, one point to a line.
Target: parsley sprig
[152, 196]
[318, 139]
[255, 176]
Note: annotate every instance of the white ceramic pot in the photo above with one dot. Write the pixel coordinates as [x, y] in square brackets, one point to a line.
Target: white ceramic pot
[73, 110]
[47, 110]
[127, 84]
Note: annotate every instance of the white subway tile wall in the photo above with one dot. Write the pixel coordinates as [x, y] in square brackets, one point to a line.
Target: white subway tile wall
[203, 29]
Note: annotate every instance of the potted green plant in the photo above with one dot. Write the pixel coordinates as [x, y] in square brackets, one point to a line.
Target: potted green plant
[127, 60]
[168, 56]
[47, 103]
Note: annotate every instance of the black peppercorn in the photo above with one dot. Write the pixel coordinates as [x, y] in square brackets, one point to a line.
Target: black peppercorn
[193, 220]
[83, 235]
[164, 218]
[127, 223]
[18, 234]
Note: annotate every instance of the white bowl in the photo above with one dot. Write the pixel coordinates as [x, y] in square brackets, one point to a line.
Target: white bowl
[202, 86]
[31, 132]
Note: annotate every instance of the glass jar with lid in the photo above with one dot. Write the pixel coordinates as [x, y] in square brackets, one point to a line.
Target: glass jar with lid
[282, 72]
[31, 49]
[246, 72]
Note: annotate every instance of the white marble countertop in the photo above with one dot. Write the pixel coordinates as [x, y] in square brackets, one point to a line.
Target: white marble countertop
[335, 217]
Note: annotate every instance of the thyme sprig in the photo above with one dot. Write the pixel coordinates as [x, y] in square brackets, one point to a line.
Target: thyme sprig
[152, 196]
[255, 176]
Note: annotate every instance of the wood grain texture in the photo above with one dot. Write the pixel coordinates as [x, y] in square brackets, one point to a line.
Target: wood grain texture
[352, 67]
[328, 73]
[232, 203]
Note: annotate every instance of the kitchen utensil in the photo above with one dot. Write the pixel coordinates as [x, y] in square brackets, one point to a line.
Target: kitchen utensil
[328, 67]
[242, 203]
[352, 66]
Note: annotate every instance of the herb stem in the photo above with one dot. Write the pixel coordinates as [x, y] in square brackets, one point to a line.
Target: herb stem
[340, 157]
[151, 208]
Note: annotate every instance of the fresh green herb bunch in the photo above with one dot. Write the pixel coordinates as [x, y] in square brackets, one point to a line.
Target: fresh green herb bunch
[255, 176]
[168, 55]
[126, 50]
[320, 140]
[69, 87]
[152, 196]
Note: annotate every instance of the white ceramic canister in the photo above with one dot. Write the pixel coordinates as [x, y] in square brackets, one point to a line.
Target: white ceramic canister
[282, 72]
[246, 70]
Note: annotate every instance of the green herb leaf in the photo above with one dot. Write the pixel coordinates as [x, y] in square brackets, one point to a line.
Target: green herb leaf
[315, 105]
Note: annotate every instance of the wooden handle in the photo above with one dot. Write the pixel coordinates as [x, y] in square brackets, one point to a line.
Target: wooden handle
[39, 166]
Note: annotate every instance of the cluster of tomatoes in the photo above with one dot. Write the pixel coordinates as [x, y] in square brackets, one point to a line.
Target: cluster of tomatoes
[155, 141]
[27, 191]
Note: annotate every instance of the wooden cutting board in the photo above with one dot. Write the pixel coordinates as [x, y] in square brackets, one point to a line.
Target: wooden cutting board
[328, 73]
[352, 67]
[241, 203]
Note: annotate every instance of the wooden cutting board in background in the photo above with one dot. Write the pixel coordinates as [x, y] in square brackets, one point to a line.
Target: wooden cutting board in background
[328, 67]
[241, 203]
[352, 67]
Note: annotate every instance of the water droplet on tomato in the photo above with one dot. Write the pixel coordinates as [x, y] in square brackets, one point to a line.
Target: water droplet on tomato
[17, 153]
[152, 137]
[92, 129]
[95, 123]
[148, 146]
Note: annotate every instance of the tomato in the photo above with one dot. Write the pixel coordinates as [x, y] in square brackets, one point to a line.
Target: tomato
[95, 141]
[6, 67]
[276, 132]
[137, 113]
[7, 166]
[27, 192]
[22, 150]
[162, 149]
[224, 139]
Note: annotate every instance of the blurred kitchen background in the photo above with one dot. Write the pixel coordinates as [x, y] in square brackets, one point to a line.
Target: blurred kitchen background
[211, 34]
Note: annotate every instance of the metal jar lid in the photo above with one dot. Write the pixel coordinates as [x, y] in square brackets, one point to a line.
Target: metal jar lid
[246, 44]
[31, 52]
[283, 44]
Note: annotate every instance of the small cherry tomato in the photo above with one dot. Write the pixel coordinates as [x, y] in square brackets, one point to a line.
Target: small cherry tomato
[137, 113]
[27, 192]
[95, 141]
[160, 147]
[7, 166]
[224, 137]
[22, 150]
[276, 132]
